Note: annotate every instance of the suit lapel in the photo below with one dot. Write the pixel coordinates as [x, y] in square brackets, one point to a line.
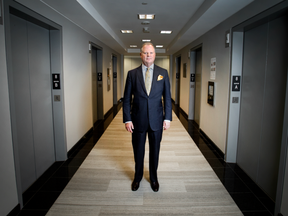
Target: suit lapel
[154, 79]
[140, 77]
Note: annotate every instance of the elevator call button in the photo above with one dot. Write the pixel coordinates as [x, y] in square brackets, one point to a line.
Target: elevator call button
[99, 76]
[236, 83]
[56, 81]
[192, 78]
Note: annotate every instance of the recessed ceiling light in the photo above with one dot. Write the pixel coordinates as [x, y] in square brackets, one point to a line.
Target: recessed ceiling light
[165, 32]
[146, 40]
[146, 16]
[133, 45]
[127, 31]
[159, 46]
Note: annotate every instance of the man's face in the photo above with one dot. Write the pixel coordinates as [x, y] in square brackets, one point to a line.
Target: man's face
[148, 55]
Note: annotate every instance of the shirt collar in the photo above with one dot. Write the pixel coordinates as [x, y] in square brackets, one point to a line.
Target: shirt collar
[144, 68]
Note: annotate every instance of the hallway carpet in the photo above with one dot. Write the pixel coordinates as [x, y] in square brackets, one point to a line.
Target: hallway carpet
[102, 184]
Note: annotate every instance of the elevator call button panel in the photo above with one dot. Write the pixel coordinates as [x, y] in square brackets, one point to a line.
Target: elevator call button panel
[236, 83]
[56, 81]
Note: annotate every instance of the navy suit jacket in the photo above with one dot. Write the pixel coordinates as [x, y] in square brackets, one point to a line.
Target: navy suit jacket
[147, 110]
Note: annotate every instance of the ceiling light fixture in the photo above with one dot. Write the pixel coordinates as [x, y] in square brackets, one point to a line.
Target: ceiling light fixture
[146, 16]
[165, 32]
[146, 40]
[159, 46]
[126, 31]
[133, 46]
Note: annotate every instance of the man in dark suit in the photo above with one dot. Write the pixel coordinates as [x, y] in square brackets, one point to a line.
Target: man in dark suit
[143, 112]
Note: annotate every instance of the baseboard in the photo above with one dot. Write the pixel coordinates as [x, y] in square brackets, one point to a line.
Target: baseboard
[90, 131]
[184, 114]
[112, 108]
[208, 140]
[87, 135]
[14, 211]
[214, 146]
[108, 113]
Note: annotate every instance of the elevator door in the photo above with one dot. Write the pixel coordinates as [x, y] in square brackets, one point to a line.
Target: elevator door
[262, 102]
[198, 74]
[177, 84]
[114, 65]
[94, 85]
[32, 103]
[97, 84]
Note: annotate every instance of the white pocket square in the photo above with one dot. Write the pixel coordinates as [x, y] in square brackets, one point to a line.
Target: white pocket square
[160, 77]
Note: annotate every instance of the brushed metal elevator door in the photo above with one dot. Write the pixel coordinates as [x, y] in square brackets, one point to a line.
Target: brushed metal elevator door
[198, 74]
[178, 83]
[32, 99]
[114, 65]
[262, 102]
[94, 85]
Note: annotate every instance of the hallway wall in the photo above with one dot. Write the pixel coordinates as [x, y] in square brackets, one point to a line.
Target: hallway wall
[213, 120]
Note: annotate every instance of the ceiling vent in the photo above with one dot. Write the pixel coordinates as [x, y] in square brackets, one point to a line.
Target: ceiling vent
[146, 30]
[145, 23]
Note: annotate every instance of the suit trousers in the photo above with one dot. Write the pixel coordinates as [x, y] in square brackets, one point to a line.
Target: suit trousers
[138, 142]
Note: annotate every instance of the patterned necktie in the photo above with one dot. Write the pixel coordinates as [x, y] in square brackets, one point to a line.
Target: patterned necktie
[148, 81]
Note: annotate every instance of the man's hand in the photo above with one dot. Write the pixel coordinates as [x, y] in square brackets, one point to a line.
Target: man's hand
[166, 125]
[129, 127]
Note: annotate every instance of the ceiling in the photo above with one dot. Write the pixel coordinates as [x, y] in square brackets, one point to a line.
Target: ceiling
[187, 19]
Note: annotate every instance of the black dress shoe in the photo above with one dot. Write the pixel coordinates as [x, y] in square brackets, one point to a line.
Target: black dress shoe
[155, 186]
[135, 186]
